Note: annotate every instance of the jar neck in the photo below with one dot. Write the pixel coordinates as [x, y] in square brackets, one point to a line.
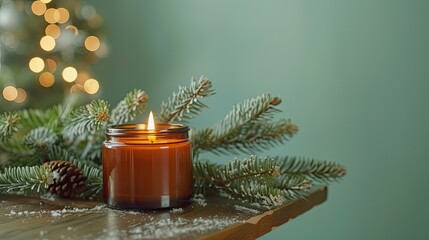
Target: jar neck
[139, 134]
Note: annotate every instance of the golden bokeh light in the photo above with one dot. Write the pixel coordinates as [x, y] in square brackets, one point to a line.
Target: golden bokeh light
[52, 65]
[38, 8]
[91, 86]
[36, 64]
[69, 74]
[75, 31]
[82, 77]
[10, 93]
[47, 43]
[76, 88]
[52, 15]
[22, 95]
[64, 15]
[53, 30]
[46, 79]
[92, 43]
[46, 1]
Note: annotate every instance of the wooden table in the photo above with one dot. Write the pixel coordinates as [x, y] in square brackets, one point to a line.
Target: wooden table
[210, 218]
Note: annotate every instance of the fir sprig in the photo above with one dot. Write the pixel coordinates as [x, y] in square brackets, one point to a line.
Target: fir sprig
[266, 181]
[15, 148]
[248, 138]
[94, 183]
[56, 152]
[261, 107]
[320, 171]
[50, 118]
[36, 178]
[246, 128]
[186, 102]
[9, 124]
[86, 119]
[40, 138]
[257, 192]
[127, 109]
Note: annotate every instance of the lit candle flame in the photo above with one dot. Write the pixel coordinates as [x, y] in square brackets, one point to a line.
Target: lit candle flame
[151, 126]
[151, 122]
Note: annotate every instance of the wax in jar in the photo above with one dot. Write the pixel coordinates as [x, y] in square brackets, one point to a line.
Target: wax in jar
[146, 175]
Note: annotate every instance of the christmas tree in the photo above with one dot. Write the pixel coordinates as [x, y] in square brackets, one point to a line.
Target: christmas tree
[46, 51]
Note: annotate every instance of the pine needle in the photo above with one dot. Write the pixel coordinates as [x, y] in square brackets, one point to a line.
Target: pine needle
[40, 138]
[49, 118]
[87, 119]
[319, 171]
[186, 102]
[9, 124]
[127, 109]
[36, 178]
[247, 128]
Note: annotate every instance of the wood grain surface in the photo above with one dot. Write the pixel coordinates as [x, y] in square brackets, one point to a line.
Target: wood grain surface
[23, 217]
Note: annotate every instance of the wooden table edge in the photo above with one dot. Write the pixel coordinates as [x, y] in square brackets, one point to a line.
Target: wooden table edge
[269, 220]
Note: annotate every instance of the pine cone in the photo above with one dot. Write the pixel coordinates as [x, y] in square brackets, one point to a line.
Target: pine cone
[68, 180]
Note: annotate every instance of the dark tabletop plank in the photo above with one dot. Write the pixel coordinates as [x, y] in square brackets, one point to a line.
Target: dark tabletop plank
[211, 218]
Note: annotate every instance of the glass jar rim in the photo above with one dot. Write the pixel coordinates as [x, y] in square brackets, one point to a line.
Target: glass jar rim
[141, 129]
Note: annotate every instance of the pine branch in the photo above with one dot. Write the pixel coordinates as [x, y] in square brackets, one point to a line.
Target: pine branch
[9, 124]
[15, 153]
[247, 138]
[56, 152]
[36, 129]
[246, 128]
[295, 186]
[256, 180]
[87, 119]
[185, 103]
[59, 153]
[265, 181]
[256, 191]
[253, 167]
[50, 118]
[15, 147]
[94, 184]
[40, 138]
[223, 175]
[92, 150]
[319, 171]
[259, 108]
[127, 109]
[36, 178]
[204, 174]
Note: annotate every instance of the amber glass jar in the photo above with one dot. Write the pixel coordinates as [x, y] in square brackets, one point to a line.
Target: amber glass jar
[147, 169]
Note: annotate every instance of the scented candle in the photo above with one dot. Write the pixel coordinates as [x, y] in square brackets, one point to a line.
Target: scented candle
[147, 169]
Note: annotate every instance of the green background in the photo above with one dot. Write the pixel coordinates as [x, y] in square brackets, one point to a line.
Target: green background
[352, 74]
